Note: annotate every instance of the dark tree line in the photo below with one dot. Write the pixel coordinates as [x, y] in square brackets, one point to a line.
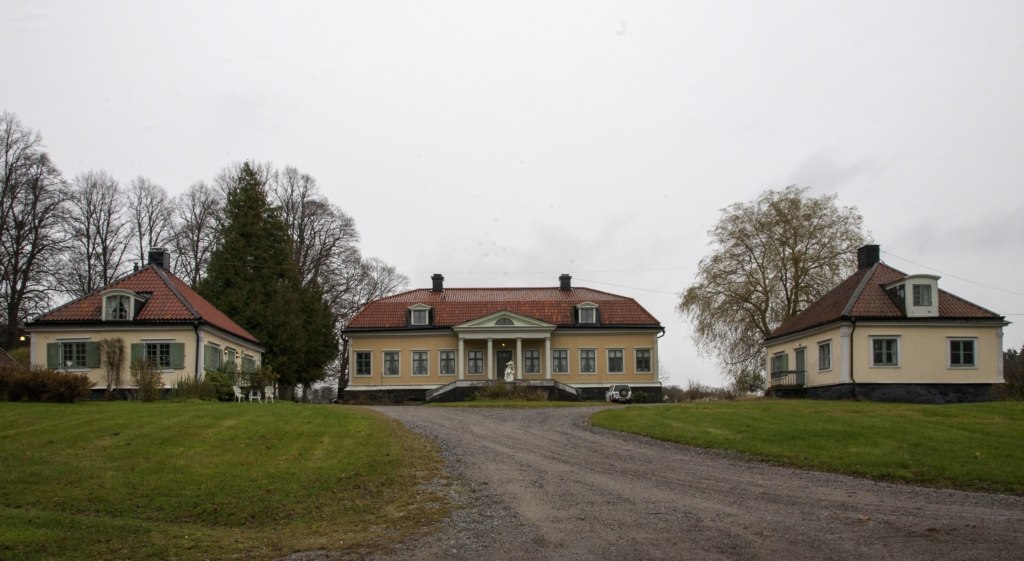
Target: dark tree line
[61, 239]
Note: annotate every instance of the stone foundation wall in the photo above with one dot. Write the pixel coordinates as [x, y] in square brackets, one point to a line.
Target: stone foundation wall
[901, 393]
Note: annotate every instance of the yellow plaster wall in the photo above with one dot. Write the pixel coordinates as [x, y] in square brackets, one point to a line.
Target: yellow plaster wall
[98, 376]
[377, 344]
[924, 355]
[810, 343]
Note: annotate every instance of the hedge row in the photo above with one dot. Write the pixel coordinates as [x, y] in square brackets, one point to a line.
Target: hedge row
[39, 384]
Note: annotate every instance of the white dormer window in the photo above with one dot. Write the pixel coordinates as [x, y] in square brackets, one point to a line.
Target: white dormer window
[586, 313]
[419, 314]
[917, 295]
[118, 307]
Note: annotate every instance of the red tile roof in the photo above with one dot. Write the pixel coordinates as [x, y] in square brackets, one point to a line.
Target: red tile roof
[169, 300]
[862, 295]
[455, 306]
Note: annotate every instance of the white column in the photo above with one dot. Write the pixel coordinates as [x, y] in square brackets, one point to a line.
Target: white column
[547, 357]
[999, 357]
[490, 358]
[519, 358]
[461, 359]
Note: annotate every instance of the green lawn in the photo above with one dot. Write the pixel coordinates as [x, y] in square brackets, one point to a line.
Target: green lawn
[970, 446]
[517, 403]
[205, 480]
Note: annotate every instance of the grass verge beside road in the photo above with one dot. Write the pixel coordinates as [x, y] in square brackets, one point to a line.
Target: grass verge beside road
[206, 480]
[976, 447]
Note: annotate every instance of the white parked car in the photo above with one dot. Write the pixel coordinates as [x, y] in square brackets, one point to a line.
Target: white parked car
[620, 393]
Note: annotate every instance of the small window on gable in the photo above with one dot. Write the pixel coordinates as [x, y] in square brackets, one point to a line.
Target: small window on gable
[586, 313]
[419, 315]
[504, 321]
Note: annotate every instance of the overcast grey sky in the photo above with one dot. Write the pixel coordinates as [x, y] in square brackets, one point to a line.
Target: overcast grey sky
[503, 143]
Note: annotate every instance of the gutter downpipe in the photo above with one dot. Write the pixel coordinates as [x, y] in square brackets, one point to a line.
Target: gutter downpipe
[199, 347]
[853, 322]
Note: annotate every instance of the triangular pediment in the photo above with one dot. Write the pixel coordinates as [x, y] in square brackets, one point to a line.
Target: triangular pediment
[505, 320]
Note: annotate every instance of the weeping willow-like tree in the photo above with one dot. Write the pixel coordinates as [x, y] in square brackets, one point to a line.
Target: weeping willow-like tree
[770, 259]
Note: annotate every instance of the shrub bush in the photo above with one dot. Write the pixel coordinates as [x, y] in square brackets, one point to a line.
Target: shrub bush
[39, 384]
[502, 390]
[147, 379]
[188, 388]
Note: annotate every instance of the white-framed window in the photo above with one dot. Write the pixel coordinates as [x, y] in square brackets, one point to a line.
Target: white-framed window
[392, 363]
[117, 307]
[248, 363]
[73, 354]
[615, 365]
[560, 361]
[158, 354]
[447, 362]
[364, 363]
[420, 363]
[962, 352]
[419, 314]
[531, 361]
[588, 361]
[213, 357]
[824, 356]
[230, 355]
[586, 313]
[475, 362]
[643, 360]
[885, 351]
[780, 362]
[922, 295]
[504, 321]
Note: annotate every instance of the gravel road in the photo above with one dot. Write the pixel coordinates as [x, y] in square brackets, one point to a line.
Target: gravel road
[541, 484]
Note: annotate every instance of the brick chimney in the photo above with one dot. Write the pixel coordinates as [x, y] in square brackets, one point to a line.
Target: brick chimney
[438, 282]
[565, 282]
[868, 255]
[160, 257]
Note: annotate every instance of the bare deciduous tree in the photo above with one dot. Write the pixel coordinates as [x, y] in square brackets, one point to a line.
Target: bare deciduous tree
[198, 213]
[32, 197]
[151, 216]
[771, 258]
[98, 234]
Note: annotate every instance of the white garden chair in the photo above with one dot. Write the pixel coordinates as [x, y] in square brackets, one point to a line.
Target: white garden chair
[254, 394]
[268, 394]
[238, 393]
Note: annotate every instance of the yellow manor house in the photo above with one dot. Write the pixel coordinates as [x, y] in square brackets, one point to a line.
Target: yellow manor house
[446, 343]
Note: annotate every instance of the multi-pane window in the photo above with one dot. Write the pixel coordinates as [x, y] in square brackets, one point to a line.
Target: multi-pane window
[72, 355]
[922, 295]
[961, 353]
[885, 351]
[119, 307]
[476, 362]
[158, 354]
[248, 363]
[560, 361]
[391, 361]
[643, 360]
[825, 356]
[364, 360]
[419, 363]
[587, 315]
[531, 361]
[447, 363]
[212, 357]
[230, 355]
[588, 362]
[780, 362]
[615, 361]
[420, 317]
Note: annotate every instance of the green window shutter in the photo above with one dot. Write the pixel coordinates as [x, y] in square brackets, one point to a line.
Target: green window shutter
[138, 351]
[53, 356]
[177, 356]
[208, 358]
[92, 354]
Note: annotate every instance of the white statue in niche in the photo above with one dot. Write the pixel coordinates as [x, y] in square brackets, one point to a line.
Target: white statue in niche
[510, 371]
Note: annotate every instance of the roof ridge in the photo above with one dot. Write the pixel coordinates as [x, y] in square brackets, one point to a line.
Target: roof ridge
[859, 290]
[177, 293]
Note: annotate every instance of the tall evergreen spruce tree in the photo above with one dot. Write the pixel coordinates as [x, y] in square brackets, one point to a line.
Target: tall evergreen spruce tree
[253, 278]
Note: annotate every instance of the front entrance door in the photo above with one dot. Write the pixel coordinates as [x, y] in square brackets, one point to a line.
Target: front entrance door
[501, 358]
